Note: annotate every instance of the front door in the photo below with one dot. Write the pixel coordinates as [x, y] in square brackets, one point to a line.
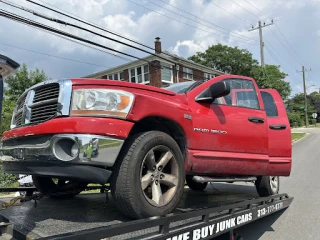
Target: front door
[279, 134]
[229, 138]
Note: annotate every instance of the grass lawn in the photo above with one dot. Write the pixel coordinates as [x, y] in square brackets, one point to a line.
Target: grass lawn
[297, 136]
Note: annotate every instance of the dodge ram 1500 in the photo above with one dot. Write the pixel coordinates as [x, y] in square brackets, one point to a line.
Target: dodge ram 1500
[146, 142]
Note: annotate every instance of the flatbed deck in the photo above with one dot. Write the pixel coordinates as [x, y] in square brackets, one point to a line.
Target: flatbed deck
[90, 211]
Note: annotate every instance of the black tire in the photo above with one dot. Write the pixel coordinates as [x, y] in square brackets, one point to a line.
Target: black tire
[264, 185]
[126, 187]
[193, 185]
[48, 187]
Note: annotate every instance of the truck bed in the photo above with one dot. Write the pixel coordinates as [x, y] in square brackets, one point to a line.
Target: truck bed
[87, 211]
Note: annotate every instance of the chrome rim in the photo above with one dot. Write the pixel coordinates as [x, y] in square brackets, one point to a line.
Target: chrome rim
[274, 183]
[159, 176]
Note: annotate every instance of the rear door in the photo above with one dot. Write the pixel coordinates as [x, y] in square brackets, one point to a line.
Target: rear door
[279, 134]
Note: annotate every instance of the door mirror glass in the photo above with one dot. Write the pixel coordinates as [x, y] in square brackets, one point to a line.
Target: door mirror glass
[216, 90]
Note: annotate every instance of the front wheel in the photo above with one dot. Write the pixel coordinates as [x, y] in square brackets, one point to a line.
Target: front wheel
[267, 185]
[148, 178]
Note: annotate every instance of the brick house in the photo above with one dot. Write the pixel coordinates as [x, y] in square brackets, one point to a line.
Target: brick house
[158, 70]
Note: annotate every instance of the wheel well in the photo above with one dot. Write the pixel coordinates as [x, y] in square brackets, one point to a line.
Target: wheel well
[164, 125]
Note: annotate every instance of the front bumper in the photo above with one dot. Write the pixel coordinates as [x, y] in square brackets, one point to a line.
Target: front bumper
[78, 156]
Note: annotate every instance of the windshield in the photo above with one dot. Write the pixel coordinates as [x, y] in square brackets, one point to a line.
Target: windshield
[183, 86]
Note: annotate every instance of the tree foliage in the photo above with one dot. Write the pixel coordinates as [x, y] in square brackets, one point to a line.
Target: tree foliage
[233, 60]
[227, 59]
[22, 80]
[297, 108]
[271, 77]
[16, 84]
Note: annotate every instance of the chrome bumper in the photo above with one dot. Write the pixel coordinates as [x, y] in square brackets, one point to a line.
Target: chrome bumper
[84, 149]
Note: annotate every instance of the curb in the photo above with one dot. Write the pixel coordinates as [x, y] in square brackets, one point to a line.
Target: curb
[306, 134]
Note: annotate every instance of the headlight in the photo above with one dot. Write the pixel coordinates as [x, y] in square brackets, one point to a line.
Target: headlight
[101, 102]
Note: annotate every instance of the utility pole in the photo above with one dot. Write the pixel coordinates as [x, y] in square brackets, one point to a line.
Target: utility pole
[261, 39]
[305, 94]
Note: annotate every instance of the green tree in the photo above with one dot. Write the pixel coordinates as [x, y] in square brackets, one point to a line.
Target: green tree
[237, 61]
[297, 109]
[271, 77]
[227, 59]
[16, 84]
[22, 80]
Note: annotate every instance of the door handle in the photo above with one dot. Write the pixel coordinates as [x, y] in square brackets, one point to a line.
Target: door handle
[278, 127]
[256, 120]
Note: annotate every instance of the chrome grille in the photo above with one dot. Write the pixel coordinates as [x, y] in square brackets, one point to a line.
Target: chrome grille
[42, 102]
[45, 103]
[18, 116]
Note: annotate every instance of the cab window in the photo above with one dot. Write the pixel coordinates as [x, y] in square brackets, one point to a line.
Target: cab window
[243, 94]
[269, 104]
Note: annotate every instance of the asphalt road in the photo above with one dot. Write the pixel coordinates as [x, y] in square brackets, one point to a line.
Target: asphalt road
[302, 219]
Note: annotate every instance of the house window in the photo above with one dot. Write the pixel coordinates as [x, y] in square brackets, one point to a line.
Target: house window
[121, 75]
[208, 76]
[166, 73]
[133, 75]
[140, 74]
[115, 76]
[187, 73]
[110, 77]
[146, 73]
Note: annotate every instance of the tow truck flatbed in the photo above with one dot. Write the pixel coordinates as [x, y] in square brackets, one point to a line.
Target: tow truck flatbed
[200, 215]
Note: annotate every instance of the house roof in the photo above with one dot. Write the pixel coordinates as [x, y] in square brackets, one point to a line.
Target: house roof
[164, 55]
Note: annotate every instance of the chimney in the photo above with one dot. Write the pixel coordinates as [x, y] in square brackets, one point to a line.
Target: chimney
[157, 45]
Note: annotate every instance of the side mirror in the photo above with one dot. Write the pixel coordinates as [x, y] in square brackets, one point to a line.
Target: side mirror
[216, 90]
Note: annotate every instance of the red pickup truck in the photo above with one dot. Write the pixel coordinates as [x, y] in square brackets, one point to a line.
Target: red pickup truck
[146, 142]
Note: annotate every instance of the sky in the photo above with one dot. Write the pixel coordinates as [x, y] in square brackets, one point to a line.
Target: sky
[184, 26]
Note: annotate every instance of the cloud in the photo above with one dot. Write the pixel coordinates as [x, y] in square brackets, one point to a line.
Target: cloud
[209, 22]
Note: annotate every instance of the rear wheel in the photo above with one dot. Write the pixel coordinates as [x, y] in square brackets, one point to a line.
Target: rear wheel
[196, 186]
[267, 185]
[148, 176]
[58, 188]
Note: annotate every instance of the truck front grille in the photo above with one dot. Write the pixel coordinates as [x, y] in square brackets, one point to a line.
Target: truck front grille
[45, 103]
[41, 103]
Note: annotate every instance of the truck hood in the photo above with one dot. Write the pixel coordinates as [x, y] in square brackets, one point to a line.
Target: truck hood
[106, 82]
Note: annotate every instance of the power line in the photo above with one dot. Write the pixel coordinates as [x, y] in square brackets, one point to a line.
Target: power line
[204, 20]
[211, 2]
[256, 8]
[43, 27]
[50, 55]
[182, 22]
[18, 18]
[87, 22]
[76, 26]
[296, 57]
[286, 48]
[286, 41]
[245, 9]
[275, 58]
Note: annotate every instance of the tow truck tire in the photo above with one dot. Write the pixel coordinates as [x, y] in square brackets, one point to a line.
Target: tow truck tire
[267, 185]
[48, 187]
[193, 185]
[142, 156]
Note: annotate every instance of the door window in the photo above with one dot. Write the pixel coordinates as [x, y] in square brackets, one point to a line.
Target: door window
[243, 94]
[269, 104]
